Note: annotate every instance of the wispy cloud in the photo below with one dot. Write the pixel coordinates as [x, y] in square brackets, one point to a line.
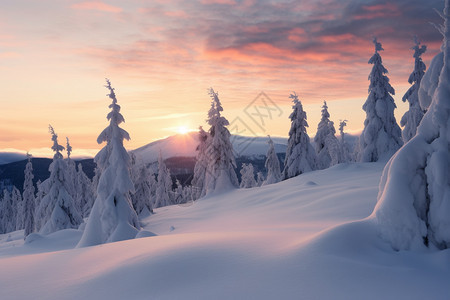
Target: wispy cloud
[98, 6]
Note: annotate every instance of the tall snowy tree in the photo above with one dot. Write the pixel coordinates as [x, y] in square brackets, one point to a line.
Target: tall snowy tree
[57, 210]
[300, 155]
[272, 165]
[413, 206]
[201, 164]
[247, 176]
[164, 184]
[41, 191]
[345, 148]
[112, 217]
[327, 146]
[414, 115]
[220, 173]
[28, 198]
[71, 173]
[381, 136]
[143, 197]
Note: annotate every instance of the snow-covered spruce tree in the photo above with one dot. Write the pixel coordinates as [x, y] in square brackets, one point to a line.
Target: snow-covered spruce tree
[7, 216]
[381, 136]
[247, 176]
[328, 149]
[300, 155]
[272, 165]
[413, 206]
[164, 184]
[201, 164]
[220, 171]
[143, 195]
[178, 193]
[345, 148]
[71, 174]
[414, 115]
[112, 217]
[57, 210]
[85, 195]
[18, 208]
[28, 198]
[37, 202]
[260, 178]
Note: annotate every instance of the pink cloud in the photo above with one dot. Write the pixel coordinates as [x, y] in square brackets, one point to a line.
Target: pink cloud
[379, 11]
[97, 5]
[226, 2]
[176, 14]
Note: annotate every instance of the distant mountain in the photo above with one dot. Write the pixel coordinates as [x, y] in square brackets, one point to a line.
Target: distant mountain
[184, 145]
[9, 157]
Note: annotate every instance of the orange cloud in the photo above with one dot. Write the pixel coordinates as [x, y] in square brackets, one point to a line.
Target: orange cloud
[97, 5]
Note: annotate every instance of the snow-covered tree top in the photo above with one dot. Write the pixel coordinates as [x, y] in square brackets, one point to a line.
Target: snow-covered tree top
[115, 118]
[377, 44]
[68, 148]
[56, 147]
[342, 124]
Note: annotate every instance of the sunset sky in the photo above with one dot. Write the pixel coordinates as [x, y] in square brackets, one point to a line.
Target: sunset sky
[162, 56]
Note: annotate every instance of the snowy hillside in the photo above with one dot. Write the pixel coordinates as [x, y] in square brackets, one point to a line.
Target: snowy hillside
[298, 239]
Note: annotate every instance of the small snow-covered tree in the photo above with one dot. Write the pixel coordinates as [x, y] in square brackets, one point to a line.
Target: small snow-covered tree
[178, 196]
[272, 165]
[414, 115]
[413, 206]
[18, 208]
[345, 148]
[260, 178]
[71, 174]
[143, 186]
[328, 149]
[164, 184]
[7, 216]
[85, 194]
[112, 217]
[198, 181]
[220, 171]
[300, 155]
[39, 195]
[28, 198]
[57, 210]
[247, 176]
[381, 136]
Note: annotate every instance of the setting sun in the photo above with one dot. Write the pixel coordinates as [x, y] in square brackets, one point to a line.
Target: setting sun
[182, 129]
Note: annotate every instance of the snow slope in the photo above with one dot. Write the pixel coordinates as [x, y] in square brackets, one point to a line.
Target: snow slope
[297, 239]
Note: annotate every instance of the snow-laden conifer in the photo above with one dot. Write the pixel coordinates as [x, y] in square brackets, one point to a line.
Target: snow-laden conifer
[8, 221]
[198, 181]
[300, 155]
[112, 217]
[164, 184]
[328, 149]
[28, 198]
[85, 194]
[260, 178]
[57, 210]
[414, 115]
[413, 206]
[71, 174]
[143, 186]
[345, 148]
[220, 172]
[18, 208]
[381, 136]
[247, 176]
[272, 165]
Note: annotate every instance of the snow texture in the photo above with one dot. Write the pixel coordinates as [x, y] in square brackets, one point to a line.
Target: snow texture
[300, 155]
[414, 200]
[381, 136]
[112, 217]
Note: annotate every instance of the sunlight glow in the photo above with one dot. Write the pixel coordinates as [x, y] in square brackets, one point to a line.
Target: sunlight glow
[182, 129]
